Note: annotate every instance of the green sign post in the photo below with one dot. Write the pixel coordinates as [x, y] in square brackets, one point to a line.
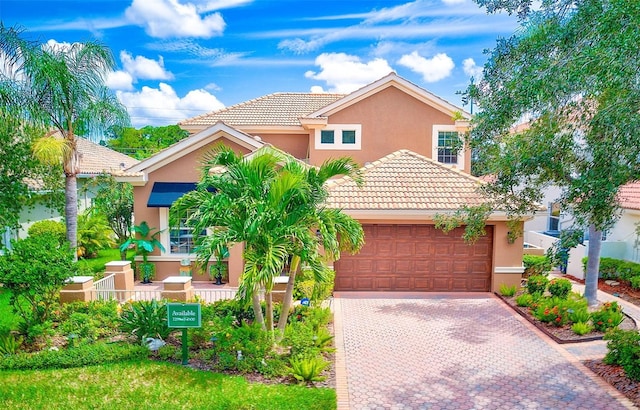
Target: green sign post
[184, 316]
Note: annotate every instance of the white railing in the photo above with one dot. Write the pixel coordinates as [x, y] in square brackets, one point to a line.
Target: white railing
[105, 288]
[203, 295]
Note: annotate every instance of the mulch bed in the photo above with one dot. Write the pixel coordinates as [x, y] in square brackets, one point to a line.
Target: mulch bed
[615, 376]
[563, 334]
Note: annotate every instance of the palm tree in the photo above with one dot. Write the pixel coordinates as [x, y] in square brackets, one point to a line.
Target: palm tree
[62, 88]
[273, 204]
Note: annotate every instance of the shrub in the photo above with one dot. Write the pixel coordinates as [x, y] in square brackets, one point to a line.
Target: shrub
[49, 227]
[315, 290]
[560, 287]
[635, 282]
[581, 328]
[308, 369]
[524, 300]
[10, 344]
[94, 233]
[578, 315]
[624, 350]
[246, 348]
[536, 265]
[537, 284]
[552, 311]
[508, 291]
[607, 317]
[35, 271]
[85, 355]
[144, 319]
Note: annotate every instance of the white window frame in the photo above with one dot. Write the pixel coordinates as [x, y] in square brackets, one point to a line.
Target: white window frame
[337, 137]
[165, 235]
[434, 142]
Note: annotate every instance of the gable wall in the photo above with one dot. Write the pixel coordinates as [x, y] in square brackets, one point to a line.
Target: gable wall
[185, 169]
[295, 144]
[391, 120]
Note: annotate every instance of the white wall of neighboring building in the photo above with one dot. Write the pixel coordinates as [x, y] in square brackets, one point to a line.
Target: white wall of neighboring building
[624, 235]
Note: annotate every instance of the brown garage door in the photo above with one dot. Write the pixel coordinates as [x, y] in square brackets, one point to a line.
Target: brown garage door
[416, 258]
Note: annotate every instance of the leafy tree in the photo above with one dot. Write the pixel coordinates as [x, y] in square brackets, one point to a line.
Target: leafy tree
[146, 141]
[573, 71]
[60, 87]
[115, 201]
[34, 271]
[20, 172]
[273, 204]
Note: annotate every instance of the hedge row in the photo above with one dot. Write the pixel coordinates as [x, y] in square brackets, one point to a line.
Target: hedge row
[84, 355]
[611, 268]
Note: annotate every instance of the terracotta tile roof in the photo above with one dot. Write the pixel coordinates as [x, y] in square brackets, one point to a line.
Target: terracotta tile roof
[279, 109]
[405, 180]
[629, 195]
[96, 159]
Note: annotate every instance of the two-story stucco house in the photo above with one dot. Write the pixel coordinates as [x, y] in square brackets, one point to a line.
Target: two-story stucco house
[402, 135]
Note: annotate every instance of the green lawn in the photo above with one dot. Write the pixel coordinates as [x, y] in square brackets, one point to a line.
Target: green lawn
[96, 265]
[151, 385]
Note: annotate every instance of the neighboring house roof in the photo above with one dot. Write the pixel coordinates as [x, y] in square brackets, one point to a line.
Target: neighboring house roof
[96, 159]
[279, 109]
[629, 196]
[405, 180]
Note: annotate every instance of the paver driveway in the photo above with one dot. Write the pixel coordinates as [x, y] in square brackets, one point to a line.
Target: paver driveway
[444, 351]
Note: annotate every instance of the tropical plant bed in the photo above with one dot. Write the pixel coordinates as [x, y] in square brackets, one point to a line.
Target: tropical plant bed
[563, 334]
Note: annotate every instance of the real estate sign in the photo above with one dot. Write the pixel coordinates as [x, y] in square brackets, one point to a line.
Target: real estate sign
[184, 315]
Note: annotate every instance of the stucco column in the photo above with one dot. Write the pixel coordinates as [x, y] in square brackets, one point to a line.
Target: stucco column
[236, 263]
[123, 278]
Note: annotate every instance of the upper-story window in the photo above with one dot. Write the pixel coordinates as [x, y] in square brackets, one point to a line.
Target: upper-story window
[339, 137]
[447, 146]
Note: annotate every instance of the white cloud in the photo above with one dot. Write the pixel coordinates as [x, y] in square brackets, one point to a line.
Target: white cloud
[221, 4]
[119, 80]
[345, 73]
[432, 69]
[471, 69]
[144, 68]
[170, 18]
[162, 106]
[452, 2]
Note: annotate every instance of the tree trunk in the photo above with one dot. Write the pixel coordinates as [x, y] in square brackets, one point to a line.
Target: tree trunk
[269, 312]
[257, 309]
[593, 266]
[288, 297]
[71, 211]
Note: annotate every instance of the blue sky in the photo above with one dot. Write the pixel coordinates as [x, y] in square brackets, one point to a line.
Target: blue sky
[180, 58]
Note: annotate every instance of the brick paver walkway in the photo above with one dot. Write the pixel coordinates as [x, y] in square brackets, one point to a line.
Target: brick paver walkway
[439, 351]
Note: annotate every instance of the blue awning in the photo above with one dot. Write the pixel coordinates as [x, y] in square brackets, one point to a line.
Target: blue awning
[164, 194]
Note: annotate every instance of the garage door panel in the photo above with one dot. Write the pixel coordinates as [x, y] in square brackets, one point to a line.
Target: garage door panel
[416, 258]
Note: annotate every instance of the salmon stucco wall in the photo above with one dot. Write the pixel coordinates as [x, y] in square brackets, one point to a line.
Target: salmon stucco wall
[184, 169]
[294, 144]
[390, 120]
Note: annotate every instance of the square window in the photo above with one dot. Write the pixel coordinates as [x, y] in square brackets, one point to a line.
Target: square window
[326, 137]
[182, 238]
[348, 136]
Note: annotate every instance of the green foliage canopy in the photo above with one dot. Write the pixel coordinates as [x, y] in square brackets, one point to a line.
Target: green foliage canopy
[571, 76]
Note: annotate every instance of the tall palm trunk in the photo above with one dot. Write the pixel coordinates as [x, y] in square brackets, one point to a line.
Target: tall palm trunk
[71, 211]
[269, 313]
[593, 266]
[287, 302]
